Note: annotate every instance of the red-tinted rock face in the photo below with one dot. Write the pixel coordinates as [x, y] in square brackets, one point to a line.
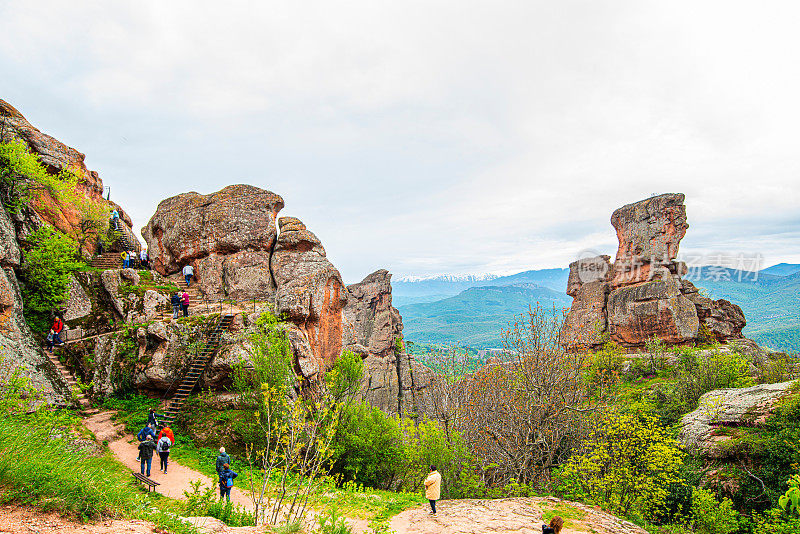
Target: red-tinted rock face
[641, 295]
[310, 290]
[56, 156]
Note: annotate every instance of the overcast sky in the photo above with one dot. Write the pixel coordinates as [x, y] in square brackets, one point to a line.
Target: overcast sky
[432, 137]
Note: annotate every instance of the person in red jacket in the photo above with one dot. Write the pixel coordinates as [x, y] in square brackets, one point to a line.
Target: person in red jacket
[166, 431]
[55, 331]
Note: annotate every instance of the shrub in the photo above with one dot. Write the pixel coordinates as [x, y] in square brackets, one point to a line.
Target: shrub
[627, 465]
[711, 516]
[50, 258]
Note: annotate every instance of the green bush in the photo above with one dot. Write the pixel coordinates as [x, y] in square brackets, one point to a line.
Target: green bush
[627, 466]
[711, 516]
[50, 258]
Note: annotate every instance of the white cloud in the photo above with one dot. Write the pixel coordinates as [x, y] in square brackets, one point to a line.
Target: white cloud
[430, 136]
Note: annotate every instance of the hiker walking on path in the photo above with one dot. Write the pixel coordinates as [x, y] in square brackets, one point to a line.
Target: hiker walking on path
[226, 477]
[433, 488]
[54, 337]
[143, 433]
[176, 304]
[152, 419]
[167, 431]
[222, 460]
[162, 448]
[188, 273]
[146, 449]
[185, 303]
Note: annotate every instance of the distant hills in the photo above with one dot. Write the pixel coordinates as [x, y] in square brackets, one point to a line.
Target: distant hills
[473, 310]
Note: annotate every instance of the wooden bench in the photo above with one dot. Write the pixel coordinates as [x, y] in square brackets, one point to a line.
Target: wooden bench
[151, 484]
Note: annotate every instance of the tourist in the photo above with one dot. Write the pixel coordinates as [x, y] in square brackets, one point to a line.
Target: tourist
[226, 477]
[114, 218]
[555, 526]
[433, 488]
[144, 432]
[152, 418]
[176, 304]
[144, 260]
[185, 303]
[56, 329]
[188, 273]
[146, 449]
[222, 459]
[162, 448]
[125, 261]
[167, 431]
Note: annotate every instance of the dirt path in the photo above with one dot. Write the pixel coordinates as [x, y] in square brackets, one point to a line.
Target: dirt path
[178, 477]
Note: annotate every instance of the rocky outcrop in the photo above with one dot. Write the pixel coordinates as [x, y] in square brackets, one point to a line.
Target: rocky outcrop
[227, 236]
[310, 292]
[701, 429]
[393, 380]
[642, 295]
[56, 156]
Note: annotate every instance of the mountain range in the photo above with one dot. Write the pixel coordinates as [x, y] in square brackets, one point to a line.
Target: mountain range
[473, 310]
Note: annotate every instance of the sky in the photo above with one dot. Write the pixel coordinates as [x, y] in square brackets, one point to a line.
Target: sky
[432, 137]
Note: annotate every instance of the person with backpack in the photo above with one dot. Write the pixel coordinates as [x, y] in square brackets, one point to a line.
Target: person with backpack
[152, 419]
[433, 488]
[114, 216]
[222, 459]
[185, 303]
[144, 432]
[146, 449]
[555, 526]
[124, 256]
[226, 477]
[167, 431]
[176, 304]
[162, 447]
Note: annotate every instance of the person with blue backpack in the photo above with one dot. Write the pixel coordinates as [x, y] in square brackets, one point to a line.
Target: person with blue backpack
[226, 477]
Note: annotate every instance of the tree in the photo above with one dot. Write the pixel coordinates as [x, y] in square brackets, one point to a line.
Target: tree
[626, 465]
[523, 416]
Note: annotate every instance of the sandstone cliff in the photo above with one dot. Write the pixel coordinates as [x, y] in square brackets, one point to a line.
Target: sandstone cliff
[242, 251]
[642, 295]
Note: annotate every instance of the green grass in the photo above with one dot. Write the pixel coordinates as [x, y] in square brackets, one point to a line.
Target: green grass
[131, 410]
[42, 465]
[570, 514]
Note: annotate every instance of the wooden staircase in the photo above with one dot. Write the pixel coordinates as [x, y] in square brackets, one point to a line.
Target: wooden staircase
[107, 260]
[81, 399]
[196, 368]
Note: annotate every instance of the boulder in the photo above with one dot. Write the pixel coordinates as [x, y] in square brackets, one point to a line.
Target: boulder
[240, 276]
[586, 321]
[191, 226]
[9, 250]
[587, 270]
[78, 304]
[153, 301]
[310, 290]
[649, 231]
[370, 319]
[652, 309]
[19, 351]
[727, 407]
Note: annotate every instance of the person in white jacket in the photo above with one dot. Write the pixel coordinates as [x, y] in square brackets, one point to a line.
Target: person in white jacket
[162, 448]
[188, 273]
[433, 487]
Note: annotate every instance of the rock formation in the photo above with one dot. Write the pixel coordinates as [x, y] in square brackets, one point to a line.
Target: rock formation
[641, 295]
[56, 156]
[227, 236]
[231, 239]
[394, 381]
[703, 429]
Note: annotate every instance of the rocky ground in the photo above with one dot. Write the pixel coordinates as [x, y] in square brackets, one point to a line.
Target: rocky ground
[511, 516]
